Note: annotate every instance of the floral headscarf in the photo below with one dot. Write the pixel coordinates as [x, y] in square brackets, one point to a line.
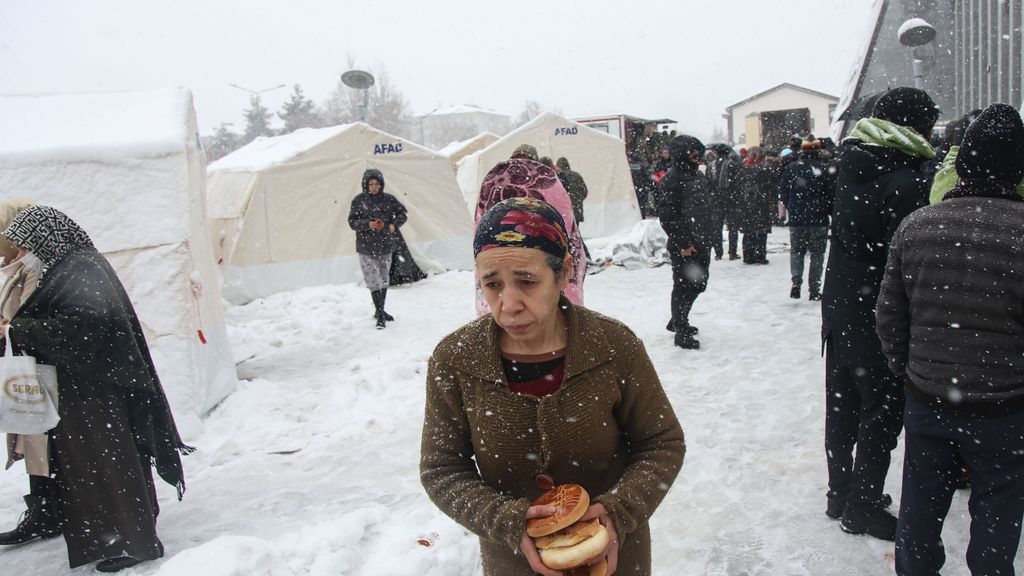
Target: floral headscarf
[48, 233]
[519, 178]
[522, 223]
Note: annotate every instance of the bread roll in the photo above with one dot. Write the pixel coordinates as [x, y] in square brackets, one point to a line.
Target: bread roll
[572, 502]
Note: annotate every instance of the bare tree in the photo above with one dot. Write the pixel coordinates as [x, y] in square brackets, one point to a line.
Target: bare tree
[387, 109]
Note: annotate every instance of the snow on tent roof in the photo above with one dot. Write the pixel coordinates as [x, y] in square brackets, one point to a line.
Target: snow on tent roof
[264, 152]
[459, 145]
[71, 127]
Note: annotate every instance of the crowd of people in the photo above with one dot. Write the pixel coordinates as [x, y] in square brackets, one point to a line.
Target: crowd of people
[922, 329]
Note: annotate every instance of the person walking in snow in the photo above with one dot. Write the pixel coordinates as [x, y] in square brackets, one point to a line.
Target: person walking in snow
[950, 322]
[685, 215]
[115, 422]
[376, 217]
[542, 392]
[41, 519]
[806, 192]
[879, 182]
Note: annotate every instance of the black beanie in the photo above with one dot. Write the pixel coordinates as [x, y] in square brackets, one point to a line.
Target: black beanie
[910, 107]
[993, 147]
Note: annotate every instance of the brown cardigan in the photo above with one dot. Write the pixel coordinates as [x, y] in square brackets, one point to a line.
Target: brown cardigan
[610, 427]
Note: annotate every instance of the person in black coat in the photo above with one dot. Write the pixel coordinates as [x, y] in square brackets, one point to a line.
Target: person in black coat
[756, 192]
[879, 182]
[376, 217]
[950, 321]
[115, 422]
[721, 177]
[806, 190]
[685, 216]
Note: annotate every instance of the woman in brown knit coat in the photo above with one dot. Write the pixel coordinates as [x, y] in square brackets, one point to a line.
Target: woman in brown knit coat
[542, 388]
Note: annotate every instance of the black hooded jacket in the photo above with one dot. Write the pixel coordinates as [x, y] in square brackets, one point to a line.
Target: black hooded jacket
[380, 206]
[876, 188]
[683, 208]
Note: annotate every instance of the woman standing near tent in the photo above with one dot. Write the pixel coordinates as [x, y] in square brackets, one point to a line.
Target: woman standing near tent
[376, 217]
[521, 178]
[115, 422]
[542, 392]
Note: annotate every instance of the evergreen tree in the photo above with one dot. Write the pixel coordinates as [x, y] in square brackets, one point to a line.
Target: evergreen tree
[299, 112]
[221, 143]
[257, 121]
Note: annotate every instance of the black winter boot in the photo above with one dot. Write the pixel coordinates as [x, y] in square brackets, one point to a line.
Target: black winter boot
[383, 300]
[378, 308]
[794, 292]
[41, 520]
[872, 520]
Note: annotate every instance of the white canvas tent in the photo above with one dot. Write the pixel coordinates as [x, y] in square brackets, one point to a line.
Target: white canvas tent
[128, 168]
[279, 208]
[456, 151]
[600, 158]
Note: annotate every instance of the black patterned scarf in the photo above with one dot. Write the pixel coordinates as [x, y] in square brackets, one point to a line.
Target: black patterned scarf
[48, 233]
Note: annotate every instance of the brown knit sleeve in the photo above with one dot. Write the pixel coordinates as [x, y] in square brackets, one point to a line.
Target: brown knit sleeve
[655, 443]
[448, 472]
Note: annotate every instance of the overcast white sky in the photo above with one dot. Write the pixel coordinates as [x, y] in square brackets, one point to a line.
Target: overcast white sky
[686, 59]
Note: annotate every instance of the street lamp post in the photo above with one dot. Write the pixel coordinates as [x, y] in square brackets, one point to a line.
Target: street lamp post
[422, 139]
[359, 80]
[256, 93]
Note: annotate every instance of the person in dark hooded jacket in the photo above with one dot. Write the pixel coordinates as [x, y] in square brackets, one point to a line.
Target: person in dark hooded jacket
[879, 182]
[376, 217]
[685, 216]
[950, 321]
[115, 422]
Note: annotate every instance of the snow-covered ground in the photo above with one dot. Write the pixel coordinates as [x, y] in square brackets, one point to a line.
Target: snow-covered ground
[310, 467]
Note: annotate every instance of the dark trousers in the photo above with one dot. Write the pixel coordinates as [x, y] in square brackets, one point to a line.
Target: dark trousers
[993, 451]
[804, 239]
[717, 223]
[863, 409]
[689, 279]
[755, 247]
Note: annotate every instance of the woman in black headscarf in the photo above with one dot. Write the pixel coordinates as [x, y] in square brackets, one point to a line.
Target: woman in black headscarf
[115, 421]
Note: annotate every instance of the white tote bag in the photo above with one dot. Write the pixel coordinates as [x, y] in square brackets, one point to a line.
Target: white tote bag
[28, 395]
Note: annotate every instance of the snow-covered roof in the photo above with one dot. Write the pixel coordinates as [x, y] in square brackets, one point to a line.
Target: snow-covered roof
[464, 109]
[265, 152]
[454, 147]
[66, 128]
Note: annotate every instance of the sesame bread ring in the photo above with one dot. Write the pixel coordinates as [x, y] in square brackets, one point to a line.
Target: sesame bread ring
[572, 502]
[576, 555]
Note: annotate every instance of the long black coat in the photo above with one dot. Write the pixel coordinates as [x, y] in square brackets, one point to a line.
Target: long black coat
[683, 209]
[876, 188]
[381, 206]
[755, 194]
[115, 420]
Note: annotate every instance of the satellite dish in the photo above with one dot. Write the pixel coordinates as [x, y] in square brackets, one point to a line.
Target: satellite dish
[916, 32]
[357, 79]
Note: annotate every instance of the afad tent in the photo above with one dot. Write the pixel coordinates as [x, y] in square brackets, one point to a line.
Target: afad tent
[456, 151]
[611, 205]
[129, 168]
[279, 208]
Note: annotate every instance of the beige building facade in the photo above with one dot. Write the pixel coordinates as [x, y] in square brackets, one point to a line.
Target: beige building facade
[773, 116]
